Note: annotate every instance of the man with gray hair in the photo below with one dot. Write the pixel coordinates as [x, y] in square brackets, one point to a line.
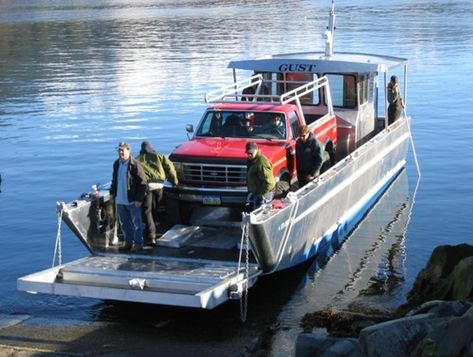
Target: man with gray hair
[128, 190]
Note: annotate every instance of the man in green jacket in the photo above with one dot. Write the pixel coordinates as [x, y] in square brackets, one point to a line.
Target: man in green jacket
[260, 178]
[157, 168]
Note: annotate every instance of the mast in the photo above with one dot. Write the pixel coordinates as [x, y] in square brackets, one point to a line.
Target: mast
[330, 32]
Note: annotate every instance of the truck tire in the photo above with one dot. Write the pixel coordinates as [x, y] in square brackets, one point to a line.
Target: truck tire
[326, 163]
[281, 189]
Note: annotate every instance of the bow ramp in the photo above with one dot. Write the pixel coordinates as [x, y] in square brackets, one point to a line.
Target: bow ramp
[157, 279]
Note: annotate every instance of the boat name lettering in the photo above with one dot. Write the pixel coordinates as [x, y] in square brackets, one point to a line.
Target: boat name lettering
[297, 67]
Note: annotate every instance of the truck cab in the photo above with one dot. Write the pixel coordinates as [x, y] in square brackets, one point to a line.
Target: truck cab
[211, 166]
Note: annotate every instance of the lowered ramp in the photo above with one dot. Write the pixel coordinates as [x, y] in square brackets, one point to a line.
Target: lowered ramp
[146, 279]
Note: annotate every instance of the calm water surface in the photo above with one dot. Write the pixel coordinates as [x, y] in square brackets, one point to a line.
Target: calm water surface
[77, 77]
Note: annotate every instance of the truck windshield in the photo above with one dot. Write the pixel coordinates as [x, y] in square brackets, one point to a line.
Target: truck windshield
[242, 124]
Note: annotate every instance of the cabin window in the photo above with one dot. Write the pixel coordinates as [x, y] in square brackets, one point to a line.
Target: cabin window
[371, 88]
[279, 83]
[343, 88]
[363, 89]
[295, 80]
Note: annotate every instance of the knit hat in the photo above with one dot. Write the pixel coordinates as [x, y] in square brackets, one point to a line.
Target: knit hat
[146, 148]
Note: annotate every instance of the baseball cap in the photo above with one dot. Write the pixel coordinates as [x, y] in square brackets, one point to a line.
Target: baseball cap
[251, 148]
[124, 145]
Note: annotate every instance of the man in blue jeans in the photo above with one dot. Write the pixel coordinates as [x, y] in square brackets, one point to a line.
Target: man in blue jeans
[128, 189]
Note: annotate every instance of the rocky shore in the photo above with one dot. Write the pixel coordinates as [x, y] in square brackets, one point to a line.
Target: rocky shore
[436, 320]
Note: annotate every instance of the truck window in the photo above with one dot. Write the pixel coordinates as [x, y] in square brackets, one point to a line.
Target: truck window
[343, 88]
[210, 125]
[295, 125]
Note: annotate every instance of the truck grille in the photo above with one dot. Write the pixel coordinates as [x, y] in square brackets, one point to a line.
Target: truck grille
[213, 173]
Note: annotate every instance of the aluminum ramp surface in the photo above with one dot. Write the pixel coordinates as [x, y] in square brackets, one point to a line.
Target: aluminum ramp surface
[146, 279]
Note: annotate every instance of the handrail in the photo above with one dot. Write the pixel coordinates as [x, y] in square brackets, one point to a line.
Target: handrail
[234, 88]
[297, 93]
[310, 87]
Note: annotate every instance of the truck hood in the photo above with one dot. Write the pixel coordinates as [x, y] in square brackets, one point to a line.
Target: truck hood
[228, 150]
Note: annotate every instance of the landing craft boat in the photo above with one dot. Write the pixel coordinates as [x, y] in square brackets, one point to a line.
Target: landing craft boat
[214, 259]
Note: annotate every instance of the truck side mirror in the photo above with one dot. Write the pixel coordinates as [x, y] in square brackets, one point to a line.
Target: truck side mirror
[190, 130]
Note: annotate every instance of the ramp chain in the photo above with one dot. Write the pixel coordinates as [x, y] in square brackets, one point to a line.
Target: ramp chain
[244, 244]
[58, 245]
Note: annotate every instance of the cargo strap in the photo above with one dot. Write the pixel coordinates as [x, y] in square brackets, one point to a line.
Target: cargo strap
[58, 245]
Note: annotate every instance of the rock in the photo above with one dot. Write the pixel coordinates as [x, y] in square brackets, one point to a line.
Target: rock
[462, 280]
[441, 308]
[322, 345]
[440, 279]
[395, 337]
[453, 336]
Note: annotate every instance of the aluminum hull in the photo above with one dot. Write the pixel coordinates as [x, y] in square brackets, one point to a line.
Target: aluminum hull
[326, 210]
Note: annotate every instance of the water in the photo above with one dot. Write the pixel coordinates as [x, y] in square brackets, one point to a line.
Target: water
[78, 77]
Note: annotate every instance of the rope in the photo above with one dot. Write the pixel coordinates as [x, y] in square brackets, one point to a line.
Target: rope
[414, 151]
[58, 245]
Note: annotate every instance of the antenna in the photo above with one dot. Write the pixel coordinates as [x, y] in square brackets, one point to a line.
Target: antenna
[329, 34]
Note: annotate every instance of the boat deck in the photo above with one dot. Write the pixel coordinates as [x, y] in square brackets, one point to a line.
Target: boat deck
[190, 242]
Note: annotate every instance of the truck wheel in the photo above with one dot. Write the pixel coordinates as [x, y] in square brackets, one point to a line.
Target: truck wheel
[327, 162]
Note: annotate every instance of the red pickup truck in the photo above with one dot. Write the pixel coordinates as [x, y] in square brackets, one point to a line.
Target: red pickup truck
[211, 166]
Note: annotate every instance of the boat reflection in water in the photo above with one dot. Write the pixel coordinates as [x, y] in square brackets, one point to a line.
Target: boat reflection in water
[367, 270]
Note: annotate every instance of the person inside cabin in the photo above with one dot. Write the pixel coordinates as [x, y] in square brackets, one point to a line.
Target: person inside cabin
[260, 177]
[246, 127]
[308, 156]
[395, 101]
[128, 191]
[157, 168]
[276, 128]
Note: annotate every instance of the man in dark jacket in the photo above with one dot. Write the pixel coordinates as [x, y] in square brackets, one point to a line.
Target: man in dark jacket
[395, 101]
[128, 190]
[260, 179]
[157, 168]
[308, 156]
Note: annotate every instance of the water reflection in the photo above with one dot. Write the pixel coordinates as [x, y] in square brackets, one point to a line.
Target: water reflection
[369, 268]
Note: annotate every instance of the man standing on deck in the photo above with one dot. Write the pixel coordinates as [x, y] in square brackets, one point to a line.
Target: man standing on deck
[128, 190]
[157, 168]
[395, 101]
[260, 179]
[308, 156]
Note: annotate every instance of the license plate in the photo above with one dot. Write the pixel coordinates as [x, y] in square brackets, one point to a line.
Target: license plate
[211, 200]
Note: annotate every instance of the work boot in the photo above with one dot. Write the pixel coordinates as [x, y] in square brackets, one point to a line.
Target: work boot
[126, 246]
[150, 241]
[137, 247]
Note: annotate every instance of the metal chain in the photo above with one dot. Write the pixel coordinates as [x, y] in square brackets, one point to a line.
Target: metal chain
[58, 245]
[244, 298]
